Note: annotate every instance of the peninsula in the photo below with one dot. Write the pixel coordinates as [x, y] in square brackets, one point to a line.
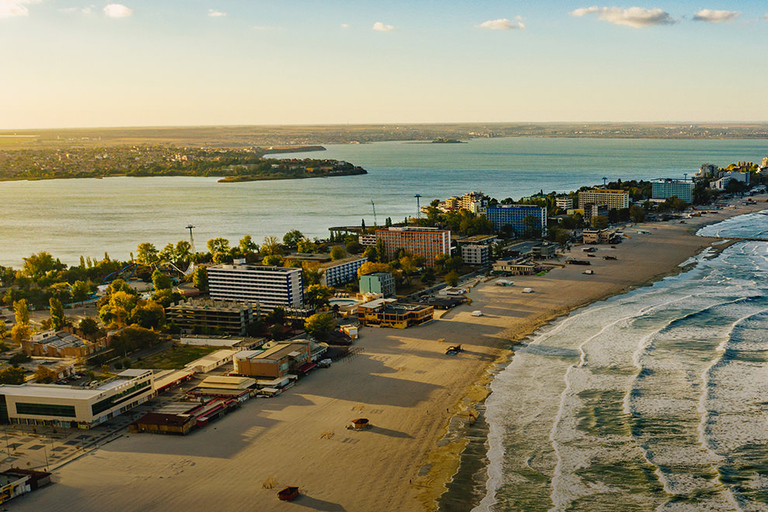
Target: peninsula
[233, 164]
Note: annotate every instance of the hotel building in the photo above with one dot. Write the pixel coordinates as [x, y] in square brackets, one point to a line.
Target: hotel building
[666, 188]
[271, 287]
[617, 199]
[425, 242]
[515, 215]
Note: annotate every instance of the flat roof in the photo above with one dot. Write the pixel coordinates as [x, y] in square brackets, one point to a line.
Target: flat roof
[215, 357]
[49, 391]
[284, 270]
[348, 259]
[281, 350]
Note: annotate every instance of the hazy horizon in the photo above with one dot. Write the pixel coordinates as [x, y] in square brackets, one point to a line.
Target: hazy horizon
[183, 63]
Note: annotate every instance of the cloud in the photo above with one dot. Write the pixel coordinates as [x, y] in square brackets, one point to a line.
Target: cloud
[345, 25]
[75, 10]
[381, 27]
[12, 8]
[213, 13]
[710, 16]
[636, 17]
[502, 24]
[117, 11]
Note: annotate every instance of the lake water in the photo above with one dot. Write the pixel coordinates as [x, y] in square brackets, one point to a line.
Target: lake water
[87, 217]
[652, 400]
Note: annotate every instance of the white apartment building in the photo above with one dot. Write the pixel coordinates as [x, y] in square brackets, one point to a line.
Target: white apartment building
[341, 271]
[564, 203]
[271, 287]
[474, 254]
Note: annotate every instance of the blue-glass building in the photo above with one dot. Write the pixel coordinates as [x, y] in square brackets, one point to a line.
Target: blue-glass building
[515, 215]
[666, 188]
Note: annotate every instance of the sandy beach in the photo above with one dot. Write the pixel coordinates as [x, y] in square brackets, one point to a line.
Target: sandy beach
[402, 381]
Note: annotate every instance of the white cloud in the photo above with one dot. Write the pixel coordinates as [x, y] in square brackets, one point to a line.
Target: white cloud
[117, 11]
[213, 13]
[711, 16]
[75, 10]
[502, 24]
[11, 8]
[636, 17]
[381, 27]
[345, 25]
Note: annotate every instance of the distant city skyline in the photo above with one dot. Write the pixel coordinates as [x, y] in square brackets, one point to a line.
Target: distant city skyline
[65, 63]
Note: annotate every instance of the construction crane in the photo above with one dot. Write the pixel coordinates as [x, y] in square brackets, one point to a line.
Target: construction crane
[418, 205]
[374, 213]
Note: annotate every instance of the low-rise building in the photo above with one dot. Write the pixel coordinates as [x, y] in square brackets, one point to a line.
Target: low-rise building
[204, 315]
[477, 255]
[389, 313]
[378, 282]
[545, 250]
[73, 406]
[340, 272]
[514, 267]
[595, 236]
[274, 362]
[62, 344]
[211, 361]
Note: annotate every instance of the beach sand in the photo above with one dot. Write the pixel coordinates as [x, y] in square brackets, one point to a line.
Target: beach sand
[402, 381]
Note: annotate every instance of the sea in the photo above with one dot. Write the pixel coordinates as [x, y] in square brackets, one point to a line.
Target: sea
[89, 217]
[652, 400]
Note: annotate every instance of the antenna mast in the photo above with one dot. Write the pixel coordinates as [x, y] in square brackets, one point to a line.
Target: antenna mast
[374, 213]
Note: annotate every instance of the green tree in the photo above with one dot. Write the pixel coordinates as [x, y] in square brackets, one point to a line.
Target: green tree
[132, 338]
[40, 264]
[276, 316]
[317, 295]
[599, 222]
[200, 279]
[272, 260]
[166, 297]
[57, 314]
[292, 238]
[3, 330]
[19, 358]
[80, 291]
[182, 253]
[45, 375]
[452, 278]
[21, 312]
[161, 280]
[147, 254]
[247, 246]
[147, 314]
[116, 312]
[311, 273]
[12, 376]
[428, 277]
[636, 213]
[338, 252]
[88, 326]
[370, 267]
[319, 326]
[271, 246]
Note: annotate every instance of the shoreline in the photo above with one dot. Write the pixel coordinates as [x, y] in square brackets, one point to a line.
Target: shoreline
[481, 390]
[415, 396]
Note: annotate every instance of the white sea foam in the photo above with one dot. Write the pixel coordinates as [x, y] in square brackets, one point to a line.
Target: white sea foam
[683, 361]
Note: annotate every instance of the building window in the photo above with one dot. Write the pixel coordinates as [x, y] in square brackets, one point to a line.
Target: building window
[66, 411]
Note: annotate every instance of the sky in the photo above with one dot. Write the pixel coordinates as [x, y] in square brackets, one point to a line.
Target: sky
[72, 63]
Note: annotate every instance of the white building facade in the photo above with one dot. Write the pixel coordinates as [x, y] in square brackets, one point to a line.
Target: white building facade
[73, 406]
[271, 287]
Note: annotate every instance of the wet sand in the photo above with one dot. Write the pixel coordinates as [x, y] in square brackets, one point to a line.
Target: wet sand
[402, 381]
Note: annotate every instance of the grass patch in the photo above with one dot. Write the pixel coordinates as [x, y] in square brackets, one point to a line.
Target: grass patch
[174, 358]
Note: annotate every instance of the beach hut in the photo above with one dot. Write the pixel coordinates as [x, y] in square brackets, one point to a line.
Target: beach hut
[288, 494]
[359, 424]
